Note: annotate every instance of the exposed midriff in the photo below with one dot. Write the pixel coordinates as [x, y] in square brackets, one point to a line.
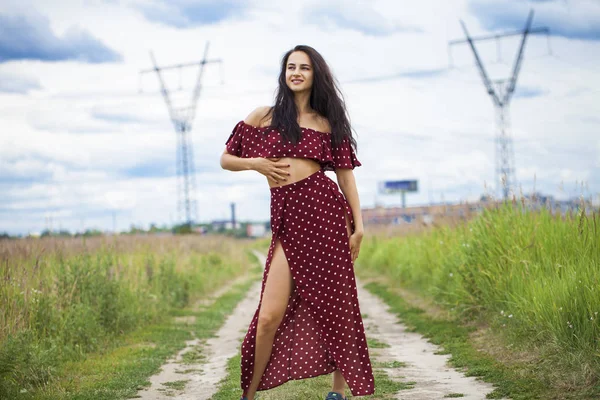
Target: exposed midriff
[299, 169]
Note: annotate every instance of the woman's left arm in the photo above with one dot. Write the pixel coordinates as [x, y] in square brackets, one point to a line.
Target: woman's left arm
[347, 184]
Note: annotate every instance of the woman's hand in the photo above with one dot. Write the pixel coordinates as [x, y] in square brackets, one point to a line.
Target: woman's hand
[355, 240]
[271, 168]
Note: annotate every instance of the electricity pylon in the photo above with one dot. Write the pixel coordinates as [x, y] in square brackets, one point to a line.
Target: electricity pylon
[501, 92]
[182, 119]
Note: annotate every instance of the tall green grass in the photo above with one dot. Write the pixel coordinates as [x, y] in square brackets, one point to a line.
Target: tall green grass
[62, 300]
[533, 276]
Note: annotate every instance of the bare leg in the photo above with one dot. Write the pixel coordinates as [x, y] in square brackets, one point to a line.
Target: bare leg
[278, 288]
[338, 381]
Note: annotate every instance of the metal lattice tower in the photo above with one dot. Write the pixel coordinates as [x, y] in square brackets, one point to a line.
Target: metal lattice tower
[501, 92]
[182, 118]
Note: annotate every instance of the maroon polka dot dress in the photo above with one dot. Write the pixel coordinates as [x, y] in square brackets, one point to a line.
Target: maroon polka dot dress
[322, 329]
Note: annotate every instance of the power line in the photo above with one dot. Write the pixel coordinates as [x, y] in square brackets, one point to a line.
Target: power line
[501, 92]
[182, 119]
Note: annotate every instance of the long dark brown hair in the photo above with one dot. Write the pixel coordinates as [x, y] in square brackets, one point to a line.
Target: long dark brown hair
[326, 98]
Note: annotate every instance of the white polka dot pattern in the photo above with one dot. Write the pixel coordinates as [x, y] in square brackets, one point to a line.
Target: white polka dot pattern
[248, 141]
[322, 329]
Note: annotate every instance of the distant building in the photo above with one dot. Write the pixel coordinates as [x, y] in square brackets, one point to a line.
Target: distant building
[426, 214]
[400, 215]
[536, 201]
[256, 230]
[224, 224]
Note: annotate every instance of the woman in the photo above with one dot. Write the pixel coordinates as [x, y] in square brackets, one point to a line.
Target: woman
[308, 320]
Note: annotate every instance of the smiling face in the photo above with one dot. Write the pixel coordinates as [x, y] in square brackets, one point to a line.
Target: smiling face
[299, 72]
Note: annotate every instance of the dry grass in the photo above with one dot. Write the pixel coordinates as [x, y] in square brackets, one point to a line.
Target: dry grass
[30, 265]
[64, 298]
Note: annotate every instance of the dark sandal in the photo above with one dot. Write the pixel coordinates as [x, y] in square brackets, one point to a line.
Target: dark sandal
[335, 396]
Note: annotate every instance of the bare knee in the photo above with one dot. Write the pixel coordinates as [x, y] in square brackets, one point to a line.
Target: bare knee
[268, 323]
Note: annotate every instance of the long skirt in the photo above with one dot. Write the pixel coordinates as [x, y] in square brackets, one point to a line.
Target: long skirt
[322, 329]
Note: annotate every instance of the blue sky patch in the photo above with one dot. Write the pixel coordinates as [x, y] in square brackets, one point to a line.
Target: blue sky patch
[528, 92]
[29, 37]
[570, 20]
[416, 74]
[164, 166]
[10, 83]
[367, 20]
[118, 118]
[152, 169]
[188, 14]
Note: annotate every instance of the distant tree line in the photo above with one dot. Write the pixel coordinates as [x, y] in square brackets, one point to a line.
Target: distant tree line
[180, 229]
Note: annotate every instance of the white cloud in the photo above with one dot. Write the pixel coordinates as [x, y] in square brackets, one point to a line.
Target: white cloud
[360, 16]
[14, 83]
[85, 135]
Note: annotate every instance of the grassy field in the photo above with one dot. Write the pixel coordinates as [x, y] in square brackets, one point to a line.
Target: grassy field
[512, 295]
[523, 285]
[71, 306]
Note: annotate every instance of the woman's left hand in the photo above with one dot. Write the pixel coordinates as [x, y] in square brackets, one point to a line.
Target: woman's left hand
[355, 240]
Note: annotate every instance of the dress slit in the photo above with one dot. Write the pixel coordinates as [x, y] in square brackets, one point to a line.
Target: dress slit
[321, 330]
[253, 327]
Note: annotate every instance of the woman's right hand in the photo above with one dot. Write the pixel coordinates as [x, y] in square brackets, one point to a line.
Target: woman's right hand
[271, 168]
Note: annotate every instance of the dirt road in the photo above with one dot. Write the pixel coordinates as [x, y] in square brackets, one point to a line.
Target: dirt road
[432, 378]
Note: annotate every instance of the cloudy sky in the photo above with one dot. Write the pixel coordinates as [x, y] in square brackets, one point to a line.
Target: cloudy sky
[86, 140]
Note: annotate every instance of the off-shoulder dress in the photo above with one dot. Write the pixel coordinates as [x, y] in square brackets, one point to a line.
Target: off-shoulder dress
[322, 329]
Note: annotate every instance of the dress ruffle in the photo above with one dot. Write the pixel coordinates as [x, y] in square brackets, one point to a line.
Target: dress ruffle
[248, 141]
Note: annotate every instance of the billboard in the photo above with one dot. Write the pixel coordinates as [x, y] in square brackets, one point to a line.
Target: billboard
[387, 187]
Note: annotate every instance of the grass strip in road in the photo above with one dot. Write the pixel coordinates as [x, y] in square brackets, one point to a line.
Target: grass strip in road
[121, 372]
[306, 389]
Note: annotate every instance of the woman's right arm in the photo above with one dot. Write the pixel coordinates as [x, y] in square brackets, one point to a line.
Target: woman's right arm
[235, 163]
[269, 167]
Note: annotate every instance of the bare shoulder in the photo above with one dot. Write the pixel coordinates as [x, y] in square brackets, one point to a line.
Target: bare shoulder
[323, 123]
[260, 116]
